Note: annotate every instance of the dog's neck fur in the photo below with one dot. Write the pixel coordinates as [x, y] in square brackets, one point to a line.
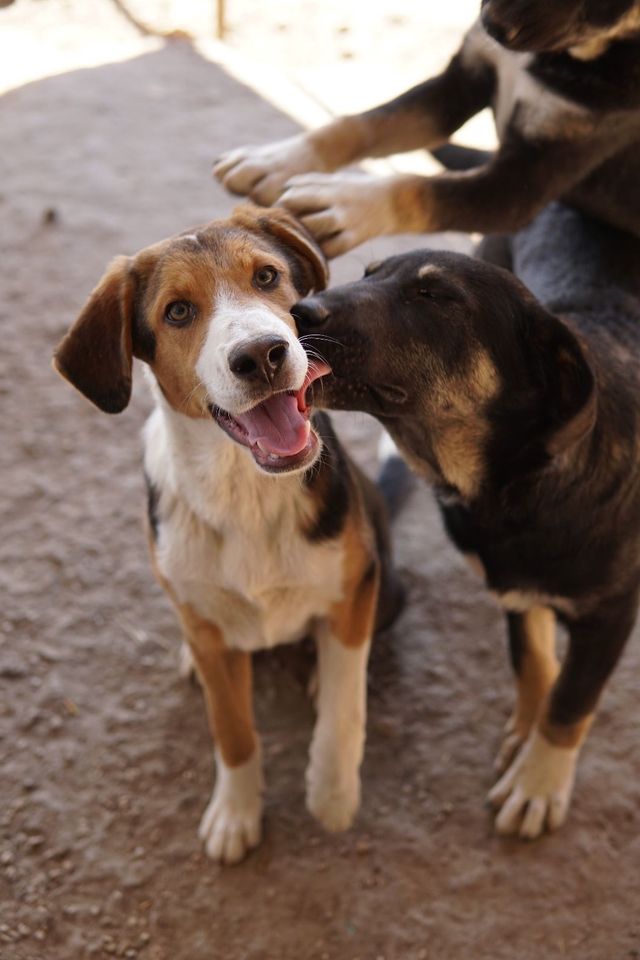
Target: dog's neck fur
[218, 478]
[627, 26]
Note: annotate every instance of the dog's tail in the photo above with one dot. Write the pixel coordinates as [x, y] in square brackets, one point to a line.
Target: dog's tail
[395, 480]
[453, 156]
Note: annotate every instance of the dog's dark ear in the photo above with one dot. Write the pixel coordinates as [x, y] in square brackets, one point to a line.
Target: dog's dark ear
[96, 354]
[569, 393]
[309, 265]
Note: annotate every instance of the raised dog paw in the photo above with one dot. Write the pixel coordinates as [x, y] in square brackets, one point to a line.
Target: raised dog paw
[341, 210]
[333, 802]
[261, 172]
[535, 792]
[232, 823]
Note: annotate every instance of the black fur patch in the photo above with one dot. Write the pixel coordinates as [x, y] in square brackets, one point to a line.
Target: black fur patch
[329, 480]
[610, 82]
[153, 500]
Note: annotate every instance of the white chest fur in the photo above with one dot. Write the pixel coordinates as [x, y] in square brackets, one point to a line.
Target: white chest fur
[230, 541]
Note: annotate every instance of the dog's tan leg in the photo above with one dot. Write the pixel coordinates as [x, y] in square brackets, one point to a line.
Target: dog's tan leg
[333, 775]
[532, 644]
[231, 824]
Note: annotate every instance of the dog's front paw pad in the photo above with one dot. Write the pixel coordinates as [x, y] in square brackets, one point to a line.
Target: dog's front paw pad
[535, 792]
[228, 832]
[334, 803]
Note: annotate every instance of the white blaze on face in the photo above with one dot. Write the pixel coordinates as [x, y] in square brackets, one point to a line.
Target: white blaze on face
[235, 322]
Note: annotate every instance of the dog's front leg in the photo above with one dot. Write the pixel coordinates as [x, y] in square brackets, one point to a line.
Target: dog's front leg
[232, 822]
[423, 117]
[532, 647]
[500, 197]
[536, 789]
[343, 641]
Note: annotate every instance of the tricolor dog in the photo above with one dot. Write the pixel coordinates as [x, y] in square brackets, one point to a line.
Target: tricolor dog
[262, 530]
[562, 78]
[524, 413]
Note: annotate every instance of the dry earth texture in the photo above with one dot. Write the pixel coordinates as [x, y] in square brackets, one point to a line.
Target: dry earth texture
[106, 758]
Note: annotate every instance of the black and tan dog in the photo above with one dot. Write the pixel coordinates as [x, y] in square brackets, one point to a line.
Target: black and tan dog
[525, 415]
[563, 81]
[262, 530]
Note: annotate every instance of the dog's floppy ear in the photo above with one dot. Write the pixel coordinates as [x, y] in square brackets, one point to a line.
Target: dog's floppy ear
[96, 354]
[309, 265]
[569, 387]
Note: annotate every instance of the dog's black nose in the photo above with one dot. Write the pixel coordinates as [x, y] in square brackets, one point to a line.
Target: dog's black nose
[309, 313]
[259, 359]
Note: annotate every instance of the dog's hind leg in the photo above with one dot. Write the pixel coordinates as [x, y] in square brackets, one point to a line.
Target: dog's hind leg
[232, 822]
[535, 792]
[532, 644]
[344, 639]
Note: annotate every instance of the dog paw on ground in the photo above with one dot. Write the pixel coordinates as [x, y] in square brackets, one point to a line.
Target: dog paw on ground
[261, 172]
[333, 801]
[535, 792]
[232, 823]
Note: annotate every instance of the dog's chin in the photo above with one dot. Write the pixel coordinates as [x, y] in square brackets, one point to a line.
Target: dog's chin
[347, 393]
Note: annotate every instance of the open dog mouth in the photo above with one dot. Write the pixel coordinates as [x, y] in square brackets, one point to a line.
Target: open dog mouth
[277, 430]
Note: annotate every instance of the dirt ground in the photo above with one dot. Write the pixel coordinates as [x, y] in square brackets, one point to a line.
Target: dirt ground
[106, 759]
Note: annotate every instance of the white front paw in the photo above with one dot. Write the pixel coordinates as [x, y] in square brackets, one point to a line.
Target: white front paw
[262, 172]
[232, 823]
[333, 800]
[536, 789]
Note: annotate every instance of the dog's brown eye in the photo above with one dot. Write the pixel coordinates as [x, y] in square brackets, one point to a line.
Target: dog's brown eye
[180, 313]
[266, 277]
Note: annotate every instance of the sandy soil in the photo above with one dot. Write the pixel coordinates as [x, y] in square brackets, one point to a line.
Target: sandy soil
[106, 760]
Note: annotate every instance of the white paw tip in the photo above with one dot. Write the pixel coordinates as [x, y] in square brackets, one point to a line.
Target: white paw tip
[334, 809]
[228, 836]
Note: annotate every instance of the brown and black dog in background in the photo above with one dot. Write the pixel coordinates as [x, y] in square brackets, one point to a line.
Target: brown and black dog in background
[262, 530]
[563, 81]
[524, 412]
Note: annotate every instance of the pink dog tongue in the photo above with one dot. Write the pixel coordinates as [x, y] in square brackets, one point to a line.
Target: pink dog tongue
[277, 426]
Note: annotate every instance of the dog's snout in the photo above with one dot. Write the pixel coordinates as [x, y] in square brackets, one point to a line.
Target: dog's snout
[309, 313]
[259, 359]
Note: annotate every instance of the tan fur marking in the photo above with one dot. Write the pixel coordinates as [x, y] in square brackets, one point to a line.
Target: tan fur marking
[539, 668]
[227, 682]
[593, 47]
[352, 619]
[459, 425]
[375, 134]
